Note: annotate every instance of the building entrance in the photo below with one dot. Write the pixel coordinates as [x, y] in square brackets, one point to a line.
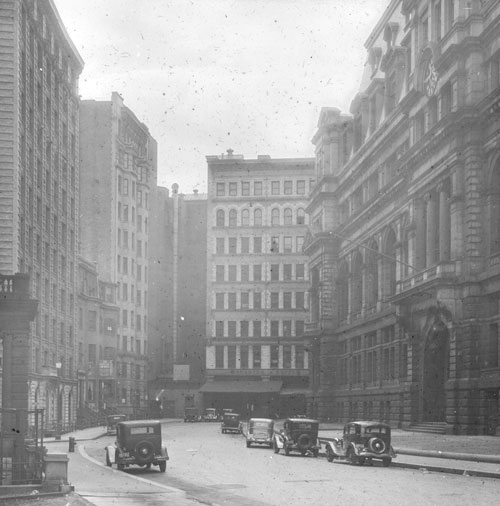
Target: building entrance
[435, 372]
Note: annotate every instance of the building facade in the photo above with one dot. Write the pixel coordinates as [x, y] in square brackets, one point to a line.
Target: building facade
[118, 159]
[177, 299]
[257, 282]
[97, 365]
[39, 169]
[403, 244]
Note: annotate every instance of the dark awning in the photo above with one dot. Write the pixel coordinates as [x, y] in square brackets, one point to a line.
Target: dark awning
[249, 387]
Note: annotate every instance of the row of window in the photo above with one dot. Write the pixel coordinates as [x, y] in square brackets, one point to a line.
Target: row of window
[274, 244]
[252, 357]
[131, 345]
[233, 301]
[134, 321]
[244, 328]
[131, 371]
[258, 217]
[122, 266]
[123, 215]
[137, 297]
[123, 189]
[255, 272]
[259, 188]
[54, 331]
[130, 162]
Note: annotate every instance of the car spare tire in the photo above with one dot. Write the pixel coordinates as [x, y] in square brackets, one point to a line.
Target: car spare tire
[377, 445]
[304, 441]
[144, 452]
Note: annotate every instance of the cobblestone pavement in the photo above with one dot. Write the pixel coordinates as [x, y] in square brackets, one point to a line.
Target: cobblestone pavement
[67, 500]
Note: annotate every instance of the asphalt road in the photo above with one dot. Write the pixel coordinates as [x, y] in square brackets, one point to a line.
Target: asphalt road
[217, 469]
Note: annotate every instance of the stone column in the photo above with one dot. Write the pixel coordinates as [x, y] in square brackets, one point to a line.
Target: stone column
[432, 232]
[421, 227]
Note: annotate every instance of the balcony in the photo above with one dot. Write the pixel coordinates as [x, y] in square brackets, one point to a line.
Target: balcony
[15, 286]
[49, 370]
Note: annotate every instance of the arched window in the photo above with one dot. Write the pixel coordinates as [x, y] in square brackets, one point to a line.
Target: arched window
[357, 283]
[220, 218]
[232, 217]
[371, 292]
[301, 216]
[275, 217]
[257, 218]
[245, 218]
[287, 216]
[389, 265]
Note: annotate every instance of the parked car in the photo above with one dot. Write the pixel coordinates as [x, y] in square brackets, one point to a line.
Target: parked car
[111, 422]
[191, 415]
[298, 435]
[362, 441]
[260, 431]
[224, 411]
[231, 423]
[210, 415]
[138, 443]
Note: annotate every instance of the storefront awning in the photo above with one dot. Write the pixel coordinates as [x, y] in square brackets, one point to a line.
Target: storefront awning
[294, 391]
[249, 387]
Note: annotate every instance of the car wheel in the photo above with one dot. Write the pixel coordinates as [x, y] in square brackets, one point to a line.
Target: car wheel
[120, 466]
[162, 465]
[352, 458]
[386, 462]
[108, 462]
[144, 452]
[315, 453]
[329, 454]
[248, 444]
[148, 466]
[276, 447]
[304, 442]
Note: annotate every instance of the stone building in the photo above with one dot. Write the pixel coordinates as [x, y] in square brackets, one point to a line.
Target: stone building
[98, 369]
[404, 240]
[39, 169]
[118, 172]
[257, 284]
[177, 306]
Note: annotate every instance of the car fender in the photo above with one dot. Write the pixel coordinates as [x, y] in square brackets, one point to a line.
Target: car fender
[354, 448]
[110, 451]
[333, 447]
[164, 452]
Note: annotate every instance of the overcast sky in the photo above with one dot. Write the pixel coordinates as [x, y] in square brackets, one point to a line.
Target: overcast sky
[208, 75]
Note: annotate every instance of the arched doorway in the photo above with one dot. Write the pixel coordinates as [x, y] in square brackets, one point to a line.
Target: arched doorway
[435, 372]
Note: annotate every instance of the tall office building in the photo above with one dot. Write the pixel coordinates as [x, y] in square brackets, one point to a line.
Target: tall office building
[118, 171]
[257, 284]
[39, 136]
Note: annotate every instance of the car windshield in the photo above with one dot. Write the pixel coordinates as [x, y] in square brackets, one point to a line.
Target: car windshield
[304, 426]
[376, 430]
[261, 424]
[142, 430]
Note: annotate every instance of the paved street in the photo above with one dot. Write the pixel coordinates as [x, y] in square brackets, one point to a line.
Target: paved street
[218, 469]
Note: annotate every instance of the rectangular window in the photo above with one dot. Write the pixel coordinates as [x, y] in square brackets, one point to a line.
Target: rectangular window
[220, 189]
[299, 300]
[287, 300]
[257, 300]
[299, 271]
[301, 187]
[233, 187]
[275, 328]
[231, 329]
[257, 188]
[287, 272]
[231, 301]
[275, 187]
[257, 328]
[219, 329]
[219, 245]
[287, 244]
[219, 357]
[287, 357]
[492, 358]
[275, 272]
[219, 301]
[257, 272]
[232, 245]
[92, 322]
[245, 188]
[256, 356]
[275, 244]
[299, 244]
[231, 273]
[245, 245]
[257, 244]
[231, 357]
[244, 357]
[287, 328]
[299, 328]
[275, 299]
[288, 187]
[274, 356]
[244, 328]
[245, 273]
[244, 300]
[219, 273]
[299, 357]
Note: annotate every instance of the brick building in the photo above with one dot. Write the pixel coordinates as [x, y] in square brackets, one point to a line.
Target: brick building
[257, 284]
[403, 245]
[118, 172]
[39, 168]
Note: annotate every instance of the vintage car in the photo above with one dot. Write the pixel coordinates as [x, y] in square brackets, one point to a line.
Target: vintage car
[138, 443]
[298, 435]
[362, 441]
[260, 431]
[111, 422]
[231, 423]
[210, 415]
[191, 415]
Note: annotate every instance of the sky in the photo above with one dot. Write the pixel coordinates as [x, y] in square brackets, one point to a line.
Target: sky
[208, 75]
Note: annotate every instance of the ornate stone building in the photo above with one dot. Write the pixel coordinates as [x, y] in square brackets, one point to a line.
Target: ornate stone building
[39, 169]
[404, 240]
